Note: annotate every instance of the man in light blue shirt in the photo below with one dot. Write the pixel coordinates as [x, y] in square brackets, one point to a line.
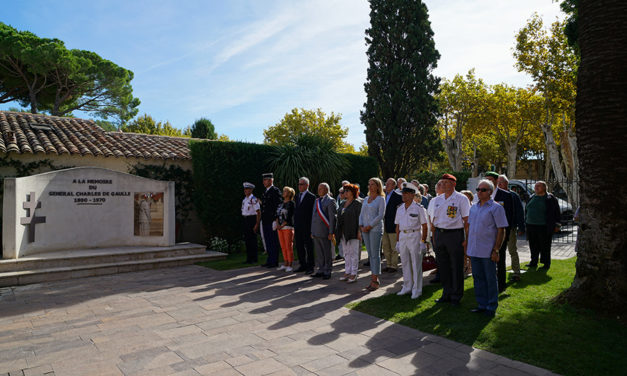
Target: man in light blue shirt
[486, 230]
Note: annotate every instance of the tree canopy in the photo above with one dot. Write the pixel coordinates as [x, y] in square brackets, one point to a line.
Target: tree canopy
[203, 128]
[302, 122]
[43, 74]
[147, 125]
[400, 110]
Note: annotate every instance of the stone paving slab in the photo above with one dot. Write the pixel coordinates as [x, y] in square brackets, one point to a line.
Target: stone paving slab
[192, 320]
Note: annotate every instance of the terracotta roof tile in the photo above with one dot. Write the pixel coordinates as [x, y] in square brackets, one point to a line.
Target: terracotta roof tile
[26, 133]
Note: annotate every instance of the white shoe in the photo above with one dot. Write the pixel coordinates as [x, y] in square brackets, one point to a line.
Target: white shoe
[352, 279]
[289, 269]
[403, 292]
[344, 277]
[416, 295]
[282, 267]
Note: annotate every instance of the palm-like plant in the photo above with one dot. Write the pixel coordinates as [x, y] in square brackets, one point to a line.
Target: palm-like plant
[313, 157]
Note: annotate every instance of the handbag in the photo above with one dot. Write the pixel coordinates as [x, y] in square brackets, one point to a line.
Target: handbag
[428, 262]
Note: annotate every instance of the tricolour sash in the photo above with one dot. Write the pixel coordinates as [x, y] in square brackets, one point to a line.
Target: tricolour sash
[321, 214]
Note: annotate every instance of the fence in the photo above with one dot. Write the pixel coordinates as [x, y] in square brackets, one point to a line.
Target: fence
[567, 193]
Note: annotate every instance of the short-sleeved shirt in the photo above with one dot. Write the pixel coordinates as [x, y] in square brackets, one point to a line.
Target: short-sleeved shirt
[410, 218]
[483, 224]
[250, 205]
[448, 212]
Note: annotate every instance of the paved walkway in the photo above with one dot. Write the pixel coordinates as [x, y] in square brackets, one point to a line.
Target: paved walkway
[195, 321]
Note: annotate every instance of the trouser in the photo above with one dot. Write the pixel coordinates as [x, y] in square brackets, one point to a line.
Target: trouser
[485, 283]
[372, 240]
[272, 243]
[351, 255]
[389, 249]
[411, 256]
[286, 238]
[501, 272]
[512, 247]
[250, 238]
[324, 254]
[304, 248]
[450, 260]
[539, 243]
[432, 241]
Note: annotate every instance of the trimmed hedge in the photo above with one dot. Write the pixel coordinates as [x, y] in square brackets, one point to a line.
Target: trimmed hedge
[220, 168]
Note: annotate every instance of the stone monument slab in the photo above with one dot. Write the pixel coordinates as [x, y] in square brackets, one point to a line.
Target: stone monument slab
[85, 207]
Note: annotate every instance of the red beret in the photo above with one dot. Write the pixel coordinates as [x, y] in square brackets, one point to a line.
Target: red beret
[449, 177]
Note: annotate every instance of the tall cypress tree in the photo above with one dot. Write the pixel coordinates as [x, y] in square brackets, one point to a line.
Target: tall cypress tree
[400, 111]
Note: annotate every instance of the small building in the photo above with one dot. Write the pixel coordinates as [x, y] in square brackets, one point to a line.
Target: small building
[41, 143]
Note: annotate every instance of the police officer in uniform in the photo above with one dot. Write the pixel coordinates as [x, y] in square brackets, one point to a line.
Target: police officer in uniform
[270, 201]
[411, 235]
[251, 212]
[450, 229]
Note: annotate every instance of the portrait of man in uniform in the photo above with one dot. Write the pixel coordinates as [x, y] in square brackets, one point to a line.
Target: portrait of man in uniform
[148, 219]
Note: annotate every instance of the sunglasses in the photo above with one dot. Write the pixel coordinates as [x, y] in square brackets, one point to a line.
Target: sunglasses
[482, 189]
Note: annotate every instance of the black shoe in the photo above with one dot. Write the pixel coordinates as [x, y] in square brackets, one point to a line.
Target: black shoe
[442, 300]
[530, 265]
[391, 270]
[339, 258]
[435, 280]
[477, 310]
[309, 271]
[489, 313]
[317, 275]
[326, 276]
[385, 269]
[367, 263]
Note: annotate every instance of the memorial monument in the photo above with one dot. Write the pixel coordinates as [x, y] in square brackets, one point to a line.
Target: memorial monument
[85, 207]
[89, 218]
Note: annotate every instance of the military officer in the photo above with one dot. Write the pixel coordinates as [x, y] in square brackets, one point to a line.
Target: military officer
[270, 201]
[251, 212]
[450, 227]
[411, 235]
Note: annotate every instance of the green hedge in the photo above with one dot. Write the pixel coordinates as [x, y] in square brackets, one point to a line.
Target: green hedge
[220, 168]
[361, 170]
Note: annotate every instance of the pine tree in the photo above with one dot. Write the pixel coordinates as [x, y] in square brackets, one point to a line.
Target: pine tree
[400, 111]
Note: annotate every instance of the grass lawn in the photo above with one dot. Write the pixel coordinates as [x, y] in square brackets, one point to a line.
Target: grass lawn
[528, 326]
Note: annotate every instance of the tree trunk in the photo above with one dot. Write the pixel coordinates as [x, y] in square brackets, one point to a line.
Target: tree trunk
[475, 161]
[33, 102]
[601, 116]
[554, 156]
[512, 154]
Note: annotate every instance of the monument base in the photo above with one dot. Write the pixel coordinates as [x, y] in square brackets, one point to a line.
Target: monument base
[54, 266]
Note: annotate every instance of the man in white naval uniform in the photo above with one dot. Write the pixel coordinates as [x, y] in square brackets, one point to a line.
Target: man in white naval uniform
[411, 234]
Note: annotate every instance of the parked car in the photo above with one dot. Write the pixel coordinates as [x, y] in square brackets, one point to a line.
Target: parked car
[524, 189]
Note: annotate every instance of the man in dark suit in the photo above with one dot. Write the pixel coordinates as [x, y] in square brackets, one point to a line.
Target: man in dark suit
[393, 199]
[302, 226]
[270, 201]
[505, 199]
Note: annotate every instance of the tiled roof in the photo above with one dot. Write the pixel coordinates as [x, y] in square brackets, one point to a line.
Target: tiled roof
[27, 133]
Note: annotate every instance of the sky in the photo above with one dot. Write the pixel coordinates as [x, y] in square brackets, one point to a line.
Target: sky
[245, 64]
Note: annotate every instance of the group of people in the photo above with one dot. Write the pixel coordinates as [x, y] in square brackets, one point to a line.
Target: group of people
[401, 219]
